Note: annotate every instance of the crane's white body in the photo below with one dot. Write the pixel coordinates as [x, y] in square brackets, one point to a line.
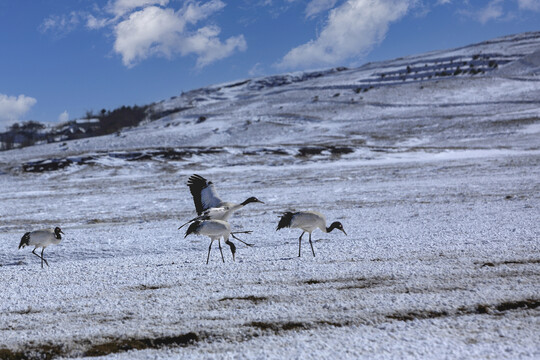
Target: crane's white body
[215, 230]
[42, 238]
[309, 221]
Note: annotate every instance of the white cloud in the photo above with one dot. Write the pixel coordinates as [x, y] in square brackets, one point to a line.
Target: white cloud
[152, 30]
[13, 107]
[317, 6]
[95, 23]
[208, 47]
[493, 11]
[194, 12]
[533, 5]
[162, 32]
[122, 7]
[61, 24]
[352, 29]
[63, 117]
[256, 70]
[145, 28]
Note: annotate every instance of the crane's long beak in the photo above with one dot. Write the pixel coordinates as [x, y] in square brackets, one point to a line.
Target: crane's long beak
[61, 232]
[343, 231]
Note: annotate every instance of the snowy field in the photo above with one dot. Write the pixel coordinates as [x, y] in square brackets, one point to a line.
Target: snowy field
[436, 182]
[442, 259]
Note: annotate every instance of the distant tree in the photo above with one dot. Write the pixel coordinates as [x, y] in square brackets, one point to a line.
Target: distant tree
[125, 116]
[32, 126]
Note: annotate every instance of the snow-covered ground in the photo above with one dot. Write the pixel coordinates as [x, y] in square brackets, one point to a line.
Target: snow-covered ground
[436, 183]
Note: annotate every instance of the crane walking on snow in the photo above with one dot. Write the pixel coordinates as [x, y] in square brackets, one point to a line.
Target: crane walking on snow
[41, 238]
[215, 230]
[308, 221]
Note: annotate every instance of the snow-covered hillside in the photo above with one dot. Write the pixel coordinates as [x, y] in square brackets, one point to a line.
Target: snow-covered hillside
[469, 97]
[431, 162]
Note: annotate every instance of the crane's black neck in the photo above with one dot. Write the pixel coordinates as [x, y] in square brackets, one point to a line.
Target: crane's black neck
[231, 245]
[333, 226]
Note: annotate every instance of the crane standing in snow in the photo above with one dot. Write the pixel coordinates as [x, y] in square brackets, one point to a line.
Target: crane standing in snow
[41, 238]
[215, 230]
[308, 221]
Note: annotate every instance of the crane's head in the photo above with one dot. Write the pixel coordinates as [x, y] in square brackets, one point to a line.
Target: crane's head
[251, 200]
[336, 225]
[57, 232]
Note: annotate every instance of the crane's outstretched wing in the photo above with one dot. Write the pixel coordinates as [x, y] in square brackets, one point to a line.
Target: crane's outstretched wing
[204, 194]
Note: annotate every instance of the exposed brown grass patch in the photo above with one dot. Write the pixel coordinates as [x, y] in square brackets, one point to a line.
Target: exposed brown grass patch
[511, 262]
[41, 352]
[122, 345]
[479, 309]
[252, 298]
[278, 327]
[144, 287]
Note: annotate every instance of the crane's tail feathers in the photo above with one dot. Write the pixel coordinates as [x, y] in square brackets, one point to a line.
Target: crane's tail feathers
[184, 225]
[193, 228]
[24, 240]
[285, 220]
[192, 220]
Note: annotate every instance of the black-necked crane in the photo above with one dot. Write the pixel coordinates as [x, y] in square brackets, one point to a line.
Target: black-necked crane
[41, 238]
[215, 230]
[208, 204]
[308, 221]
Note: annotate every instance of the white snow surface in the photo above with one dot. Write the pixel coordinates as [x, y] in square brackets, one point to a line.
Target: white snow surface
[438, 192]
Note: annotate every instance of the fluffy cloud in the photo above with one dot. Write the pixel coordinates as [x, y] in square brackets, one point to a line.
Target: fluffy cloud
[352, 29]
[492, 11]
[500, 10]
[315, 7]
[63, 117]
[533, 5]
[61, 25]
[95, 23]
[208, 47]
[152, 30]
[13, 107]
[159, 31]
[122, 7]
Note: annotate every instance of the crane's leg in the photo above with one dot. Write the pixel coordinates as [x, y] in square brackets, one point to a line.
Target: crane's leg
[310, 243]
[41, 257]
[208, 257]
[219, 244]
[300, 243]
[242, 241]
[36, 255]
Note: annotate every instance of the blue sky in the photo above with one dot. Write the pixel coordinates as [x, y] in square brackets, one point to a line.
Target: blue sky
[62, 58]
